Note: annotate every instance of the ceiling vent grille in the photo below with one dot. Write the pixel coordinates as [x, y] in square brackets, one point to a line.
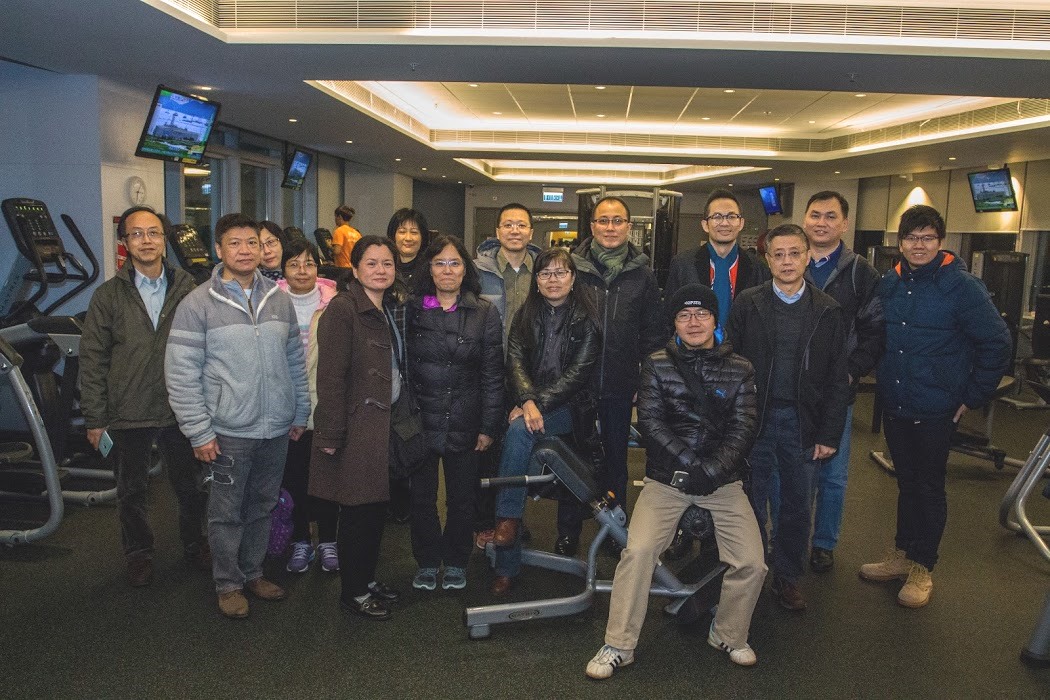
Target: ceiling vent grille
[633, 16]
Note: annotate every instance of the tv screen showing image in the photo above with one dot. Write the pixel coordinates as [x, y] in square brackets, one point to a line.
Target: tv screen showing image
[296, 173]
[178, 127]
[993, 190]
[770, 199]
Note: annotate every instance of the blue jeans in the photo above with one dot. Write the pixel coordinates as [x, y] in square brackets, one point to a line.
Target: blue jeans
[242, 497]
[515, 460]
[830, 492]
[779, 448]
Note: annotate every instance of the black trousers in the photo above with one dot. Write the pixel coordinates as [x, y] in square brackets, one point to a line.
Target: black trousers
[360, 534]
[132, 461]
[919, 450]
[430, 546]
[307, 508]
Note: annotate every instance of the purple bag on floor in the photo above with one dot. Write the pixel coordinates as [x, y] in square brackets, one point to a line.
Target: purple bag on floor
[281, 524]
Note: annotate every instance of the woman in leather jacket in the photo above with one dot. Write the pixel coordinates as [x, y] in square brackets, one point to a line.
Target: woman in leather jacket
[553, 346]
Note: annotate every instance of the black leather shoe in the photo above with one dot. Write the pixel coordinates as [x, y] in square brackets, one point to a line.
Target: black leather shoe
[383, 592]
[372, 608]
[821, 560]
[567, 546]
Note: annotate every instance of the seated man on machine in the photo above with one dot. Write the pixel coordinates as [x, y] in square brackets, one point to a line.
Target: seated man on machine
[697, 415]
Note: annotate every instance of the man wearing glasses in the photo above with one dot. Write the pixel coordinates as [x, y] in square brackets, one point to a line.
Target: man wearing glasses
[793, 335]
[946, 350]
[236, 376]
[123, 394]
[720, 263]
[628, 307]
[505, 263]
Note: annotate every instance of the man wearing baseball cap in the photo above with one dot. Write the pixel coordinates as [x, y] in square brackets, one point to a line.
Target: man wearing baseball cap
[697, 416]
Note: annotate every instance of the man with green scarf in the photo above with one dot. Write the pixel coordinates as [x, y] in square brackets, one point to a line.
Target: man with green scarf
[629, 308]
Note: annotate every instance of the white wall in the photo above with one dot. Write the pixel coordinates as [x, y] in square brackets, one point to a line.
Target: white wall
[375, 196]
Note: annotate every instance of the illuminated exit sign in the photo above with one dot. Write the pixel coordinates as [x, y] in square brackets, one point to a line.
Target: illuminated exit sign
[553, 194]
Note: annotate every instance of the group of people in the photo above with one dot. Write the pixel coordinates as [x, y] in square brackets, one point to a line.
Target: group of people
[427, 358]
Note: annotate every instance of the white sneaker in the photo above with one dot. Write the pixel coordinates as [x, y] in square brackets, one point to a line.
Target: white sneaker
[607, 660]
[744, 656]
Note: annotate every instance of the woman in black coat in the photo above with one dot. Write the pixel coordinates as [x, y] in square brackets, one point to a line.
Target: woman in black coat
[456, 353]
[553, 347]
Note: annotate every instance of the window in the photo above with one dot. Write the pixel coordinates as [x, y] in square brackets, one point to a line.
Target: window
[202, 196]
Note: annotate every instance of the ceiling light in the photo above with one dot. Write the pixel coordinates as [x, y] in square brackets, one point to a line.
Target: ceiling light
[729, 92]
[293, 120]
[497, 113]
[776, 179]
[599, 87]
[812, 121]
[600, 116]
[349, 140]
[444, 176]
[206, 88]
[730, 184]
[473, 84]
[459, 182]
[838, 172]
[422, 168]
[705, 119]
[397, 159]
[951, 157]
[861, 94]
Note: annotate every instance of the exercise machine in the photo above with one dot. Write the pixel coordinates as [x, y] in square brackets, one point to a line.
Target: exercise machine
[191, 252]
[1014, 517]
[554, 462]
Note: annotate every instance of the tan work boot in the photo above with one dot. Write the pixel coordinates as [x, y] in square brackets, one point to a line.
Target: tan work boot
[233, 604]
[895, 566]
[267, 590]
[916, 591]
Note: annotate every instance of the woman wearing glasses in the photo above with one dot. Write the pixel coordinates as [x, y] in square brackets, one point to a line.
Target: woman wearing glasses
[271, 238]
[410, 234]
[456, 351]
[553, 346]
[310, 296]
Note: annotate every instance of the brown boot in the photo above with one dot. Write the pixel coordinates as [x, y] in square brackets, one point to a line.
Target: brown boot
[140, 572]
[506, 532]
[267, 590]
[233, 604]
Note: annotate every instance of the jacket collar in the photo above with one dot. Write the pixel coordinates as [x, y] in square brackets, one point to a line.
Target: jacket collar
[582, 258]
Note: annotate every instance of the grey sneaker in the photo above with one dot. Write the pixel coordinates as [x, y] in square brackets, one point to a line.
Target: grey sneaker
[916, 592]
[744, 656]
[454, 578]
[895, 565]
[426, 579]
[607, 660]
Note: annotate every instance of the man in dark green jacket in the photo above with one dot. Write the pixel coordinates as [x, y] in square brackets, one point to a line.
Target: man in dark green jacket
[123, 392]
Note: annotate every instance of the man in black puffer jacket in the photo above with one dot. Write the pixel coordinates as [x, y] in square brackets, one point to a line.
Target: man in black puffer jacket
[697, 415]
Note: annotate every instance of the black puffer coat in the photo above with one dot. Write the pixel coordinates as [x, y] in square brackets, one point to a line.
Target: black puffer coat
[578, 363]
[457, 376]
[710, 439]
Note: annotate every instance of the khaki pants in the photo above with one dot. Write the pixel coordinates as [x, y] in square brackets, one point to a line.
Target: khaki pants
[653, 526]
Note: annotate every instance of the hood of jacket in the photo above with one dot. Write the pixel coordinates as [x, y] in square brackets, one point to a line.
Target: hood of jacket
[489, 249]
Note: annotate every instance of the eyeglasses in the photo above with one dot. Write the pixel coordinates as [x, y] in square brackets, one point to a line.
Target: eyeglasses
[616, 221]
[547, 275]
[792, 255]
[728, 218]
[912, 240]
[696, 314]
[447, 264]
[296, 265]
[514, 225]
[271, 244]
[152, 234]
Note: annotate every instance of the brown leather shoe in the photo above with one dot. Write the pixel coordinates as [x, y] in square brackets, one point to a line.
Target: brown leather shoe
[233, 605]
[506, 532]
[267, 590]
[140, 572]
[501, 584]
[789, 595]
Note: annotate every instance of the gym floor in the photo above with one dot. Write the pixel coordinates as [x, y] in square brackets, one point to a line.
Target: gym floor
[73, 628]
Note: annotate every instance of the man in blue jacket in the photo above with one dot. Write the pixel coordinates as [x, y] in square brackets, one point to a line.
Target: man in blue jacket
[946, 350]
[236, 377]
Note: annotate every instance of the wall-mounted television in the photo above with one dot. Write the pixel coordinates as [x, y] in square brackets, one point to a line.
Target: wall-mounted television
[295, 175]
[770, 199]
[992, 190]
[178, 127]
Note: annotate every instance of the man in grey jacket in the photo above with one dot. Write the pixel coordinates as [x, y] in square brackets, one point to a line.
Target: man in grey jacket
[236, 377]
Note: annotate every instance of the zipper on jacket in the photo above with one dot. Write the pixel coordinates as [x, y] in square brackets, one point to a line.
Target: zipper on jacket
[804, 366]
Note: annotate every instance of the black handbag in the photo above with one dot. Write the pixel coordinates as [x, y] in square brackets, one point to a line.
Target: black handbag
[408, 448]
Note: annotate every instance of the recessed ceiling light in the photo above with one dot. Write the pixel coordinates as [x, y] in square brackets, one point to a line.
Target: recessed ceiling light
[861, 94]
[730, 184]
[206, 88]
[728, 91]
[349, 141]
[600, 116]
[599, 87]
[473, 84]
[705, 119]
[776, 179]
[422, 168]
[459, 182]
[397, 159]
[444, 176]
[812, 121]
[293, 120]
[838, 172]
[497, 113]
[951, 157]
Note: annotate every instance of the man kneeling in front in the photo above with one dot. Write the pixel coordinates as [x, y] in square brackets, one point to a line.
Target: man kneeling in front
[697, 415]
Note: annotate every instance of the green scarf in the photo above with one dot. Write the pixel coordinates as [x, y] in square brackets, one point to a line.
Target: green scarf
[612, 259]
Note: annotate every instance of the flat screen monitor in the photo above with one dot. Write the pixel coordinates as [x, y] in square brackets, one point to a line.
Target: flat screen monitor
[296, 173]
[770, 199]
[178, 127]
[993, 190]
